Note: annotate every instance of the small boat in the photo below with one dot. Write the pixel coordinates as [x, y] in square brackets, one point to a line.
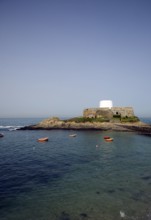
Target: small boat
[72, 135]
[1, 135]
[109, 139]
[106, 137]
[43, 139]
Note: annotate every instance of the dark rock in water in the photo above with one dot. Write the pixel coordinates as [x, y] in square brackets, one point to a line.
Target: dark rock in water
[56, 175]
[1, 135]
[67, 164]
[111, 191]
[97, 192]
[146, 177]
[64, 216]
[121, 189]
[138, 196]
[84, 215]
[135, 198]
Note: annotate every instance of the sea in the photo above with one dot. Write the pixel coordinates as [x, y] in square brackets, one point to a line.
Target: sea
[73, 178]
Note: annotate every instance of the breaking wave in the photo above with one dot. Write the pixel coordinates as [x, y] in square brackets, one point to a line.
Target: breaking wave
[9, 128]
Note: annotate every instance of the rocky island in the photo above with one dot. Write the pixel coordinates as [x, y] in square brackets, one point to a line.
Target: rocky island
[106, 117]
[81, 123]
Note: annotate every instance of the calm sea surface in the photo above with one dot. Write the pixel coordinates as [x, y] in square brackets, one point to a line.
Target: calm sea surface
[66, 178]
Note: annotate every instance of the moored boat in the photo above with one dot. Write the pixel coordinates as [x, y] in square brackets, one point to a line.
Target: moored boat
[43, 139]
[72, 135]
[109, 139]
[106, 137]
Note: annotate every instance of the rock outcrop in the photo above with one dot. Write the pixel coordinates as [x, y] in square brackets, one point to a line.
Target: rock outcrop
[56, 123]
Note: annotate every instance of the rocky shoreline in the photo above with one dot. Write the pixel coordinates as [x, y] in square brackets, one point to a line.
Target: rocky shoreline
[56, 123]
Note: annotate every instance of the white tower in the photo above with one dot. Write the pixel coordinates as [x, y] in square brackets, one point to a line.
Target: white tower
[106, 104]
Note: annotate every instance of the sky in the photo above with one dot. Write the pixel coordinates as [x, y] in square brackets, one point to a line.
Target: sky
[58, 57]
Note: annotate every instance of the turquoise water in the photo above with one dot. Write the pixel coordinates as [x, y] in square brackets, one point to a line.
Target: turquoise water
[74, 178]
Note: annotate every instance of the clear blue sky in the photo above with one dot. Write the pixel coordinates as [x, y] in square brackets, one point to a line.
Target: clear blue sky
[58, 57]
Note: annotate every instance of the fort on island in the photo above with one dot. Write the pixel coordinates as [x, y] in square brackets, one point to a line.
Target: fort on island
[105, 117]
[107, 111]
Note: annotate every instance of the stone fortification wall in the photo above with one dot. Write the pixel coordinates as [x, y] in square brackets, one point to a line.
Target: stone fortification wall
[108, 113]
[123, 111]
[90, 112]
[104, 113]
[98, 113]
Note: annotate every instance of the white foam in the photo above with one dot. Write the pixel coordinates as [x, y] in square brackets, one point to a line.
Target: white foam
[10, 127]
[122, 214]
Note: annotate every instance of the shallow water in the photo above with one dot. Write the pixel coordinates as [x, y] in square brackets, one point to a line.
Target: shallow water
[76, 178]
